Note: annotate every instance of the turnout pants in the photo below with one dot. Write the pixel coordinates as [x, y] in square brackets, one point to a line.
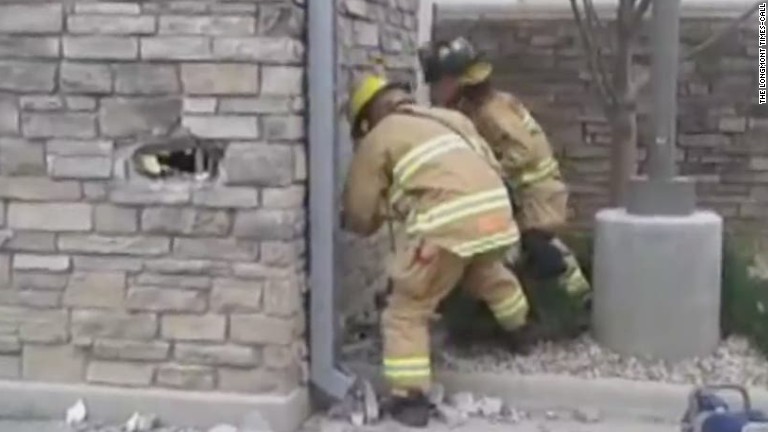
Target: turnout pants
[544, 205]
[422, 276]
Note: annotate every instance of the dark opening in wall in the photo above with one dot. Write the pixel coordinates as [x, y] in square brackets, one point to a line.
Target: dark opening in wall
[179, 157]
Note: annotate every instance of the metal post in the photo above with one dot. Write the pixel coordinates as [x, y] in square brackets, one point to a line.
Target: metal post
[666, 56]
[323, 209]
[663, 192]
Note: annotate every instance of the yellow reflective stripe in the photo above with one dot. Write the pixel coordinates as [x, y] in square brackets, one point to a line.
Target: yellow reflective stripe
[433, 151]
[460, 208]
[543, 170]
[406, 362]
[415, 157]
[426, 373]
[484, 244]
[575, 281]
[511, 306]
[407, 367]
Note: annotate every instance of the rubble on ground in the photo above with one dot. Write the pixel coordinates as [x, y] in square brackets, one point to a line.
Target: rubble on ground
[734, 361]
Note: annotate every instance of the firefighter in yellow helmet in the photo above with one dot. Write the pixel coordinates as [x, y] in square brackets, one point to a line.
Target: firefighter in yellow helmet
[459, 78]
[429, 169]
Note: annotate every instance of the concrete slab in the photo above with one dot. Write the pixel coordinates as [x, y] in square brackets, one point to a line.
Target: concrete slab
[657, 284]
[481, 425]
[28, 400]
[616, 399]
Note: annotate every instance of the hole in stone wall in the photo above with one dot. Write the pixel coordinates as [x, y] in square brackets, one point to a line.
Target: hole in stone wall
[179, 158]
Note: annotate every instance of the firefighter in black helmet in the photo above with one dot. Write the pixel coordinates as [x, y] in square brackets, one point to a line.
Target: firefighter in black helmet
[460, 78]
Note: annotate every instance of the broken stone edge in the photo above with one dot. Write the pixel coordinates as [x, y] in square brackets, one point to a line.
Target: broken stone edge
[615, 398]
[44, 401]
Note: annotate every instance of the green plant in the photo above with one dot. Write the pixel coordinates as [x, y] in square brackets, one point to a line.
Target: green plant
[744, 309]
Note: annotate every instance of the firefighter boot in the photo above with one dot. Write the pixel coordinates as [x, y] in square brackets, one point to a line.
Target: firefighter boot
[412, 410]
[523, 340]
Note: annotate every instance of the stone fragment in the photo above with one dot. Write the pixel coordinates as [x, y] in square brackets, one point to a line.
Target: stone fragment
[258, 164]
[186, 377]
[490, 406]
[109, 218]
[116, 349]
[194, 327]
[80, 167]
[100, 47]
[29, 46]
[129, 374]
[176, 48]
[130, 116]
[587, 415]
[228, 249]
[58, 125]
[282, 80]
[103, 244]
[164, 299]
[260, 329]
[31, 18]
[278, 50]
[207, 25]
[218, 78]
[52, 363]
[95, 290]
[222, 126]
[37, 216]
[113, 325]
[89, 78]
[215, 355]
[226, 197]
[114, 24]
[52, 263]
[146, 79]
[21, 158]
[27, 76]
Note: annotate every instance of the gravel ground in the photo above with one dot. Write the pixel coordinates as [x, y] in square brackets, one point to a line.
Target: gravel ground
[735, 361]
[320, 424]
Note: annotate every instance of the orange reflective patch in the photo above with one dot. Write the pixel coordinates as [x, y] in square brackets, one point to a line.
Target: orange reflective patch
[492, 223]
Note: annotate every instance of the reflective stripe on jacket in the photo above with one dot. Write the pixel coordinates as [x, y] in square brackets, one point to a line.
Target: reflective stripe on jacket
[516, 138]
[444, 189]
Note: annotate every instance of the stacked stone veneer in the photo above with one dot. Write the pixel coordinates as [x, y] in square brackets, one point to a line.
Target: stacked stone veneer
[722, 141]
[110, 278]
[368, 30]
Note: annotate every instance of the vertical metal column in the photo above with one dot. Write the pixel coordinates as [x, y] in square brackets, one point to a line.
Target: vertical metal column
[663, 192]
[666, 56]
[323, 209]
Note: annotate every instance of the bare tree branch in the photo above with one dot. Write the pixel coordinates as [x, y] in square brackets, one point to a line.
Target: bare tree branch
[644, 78]
[586, 33]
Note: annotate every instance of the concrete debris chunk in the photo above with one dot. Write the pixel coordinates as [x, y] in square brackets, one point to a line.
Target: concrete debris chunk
[450, 416]
[464, 402]
[77, 413]
[141, 422]
[587, 415]
[357, 419]
[513, 415]
[551, 415]
[254, 421]
[490, 406]
[437, 394]
[223, 428]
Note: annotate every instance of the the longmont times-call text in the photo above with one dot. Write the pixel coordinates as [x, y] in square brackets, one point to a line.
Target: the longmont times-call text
[762, 46]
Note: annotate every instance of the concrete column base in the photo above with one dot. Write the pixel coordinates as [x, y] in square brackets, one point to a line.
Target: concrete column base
[657, 283]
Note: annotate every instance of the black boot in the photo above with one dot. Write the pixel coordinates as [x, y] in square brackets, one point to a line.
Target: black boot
[523, 340]
[412, 410]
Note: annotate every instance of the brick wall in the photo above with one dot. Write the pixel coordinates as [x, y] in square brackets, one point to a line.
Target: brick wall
[109, 277]
[369, 29]
[721, 127]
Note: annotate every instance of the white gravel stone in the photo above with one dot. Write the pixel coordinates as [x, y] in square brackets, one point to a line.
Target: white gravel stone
[464, 402]
[734, 361]
[490, 407]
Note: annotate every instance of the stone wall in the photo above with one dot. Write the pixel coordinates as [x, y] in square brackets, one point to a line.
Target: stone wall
[370, 29]
[109, 277]
[722, 129]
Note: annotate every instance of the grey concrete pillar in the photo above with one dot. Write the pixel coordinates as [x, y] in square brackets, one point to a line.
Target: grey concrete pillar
[657, 284]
